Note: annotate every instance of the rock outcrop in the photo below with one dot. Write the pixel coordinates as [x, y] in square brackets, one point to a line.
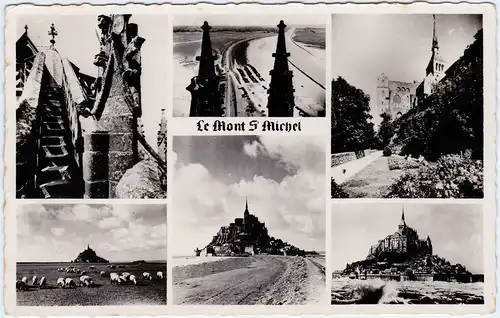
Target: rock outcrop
[89, 256]
[247, 236]
[140, 182]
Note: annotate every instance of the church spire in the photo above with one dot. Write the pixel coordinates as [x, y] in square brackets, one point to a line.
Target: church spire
[402, 224]
[435, 44]
[436, 63]
[281, 101]
[246, 206]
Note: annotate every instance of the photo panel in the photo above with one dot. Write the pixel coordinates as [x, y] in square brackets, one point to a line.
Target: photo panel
[246, 65]
[407, 106]
[91, 255]
[85, 86]
[249, 215]
[407, 254]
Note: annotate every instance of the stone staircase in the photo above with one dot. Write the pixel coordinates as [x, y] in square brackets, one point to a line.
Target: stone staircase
[58, 175]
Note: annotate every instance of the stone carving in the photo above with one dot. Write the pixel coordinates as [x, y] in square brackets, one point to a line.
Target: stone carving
[120, 54]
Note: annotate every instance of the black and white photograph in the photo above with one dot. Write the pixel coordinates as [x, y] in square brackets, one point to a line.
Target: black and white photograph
[407, 106]
[233, 65]
[249, 215]
[85, 86]
[91, 255]
[407, 254]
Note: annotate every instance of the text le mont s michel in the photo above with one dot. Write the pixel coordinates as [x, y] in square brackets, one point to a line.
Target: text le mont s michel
[253, 125]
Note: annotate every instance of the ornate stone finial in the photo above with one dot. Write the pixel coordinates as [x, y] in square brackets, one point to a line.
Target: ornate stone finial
[205, 26]
[103, 22]
[26, 29]
[53, 33]
[281, 100]
[204, 88]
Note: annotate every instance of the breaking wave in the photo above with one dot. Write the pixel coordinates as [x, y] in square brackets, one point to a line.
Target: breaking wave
[376, 291]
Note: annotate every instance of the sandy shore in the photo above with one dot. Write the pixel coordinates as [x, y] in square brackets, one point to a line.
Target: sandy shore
[265, 280]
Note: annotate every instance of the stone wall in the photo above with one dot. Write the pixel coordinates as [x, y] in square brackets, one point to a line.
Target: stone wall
[343, 157]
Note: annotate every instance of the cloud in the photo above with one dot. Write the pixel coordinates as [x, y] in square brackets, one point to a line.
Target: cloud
[253, 148]
[57, 231]
[294, 153]
[109, 223]
[118, 233]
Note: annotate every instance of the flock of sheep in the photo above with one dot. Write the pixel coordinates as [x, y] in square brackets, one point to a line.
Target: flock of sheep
[85, 280]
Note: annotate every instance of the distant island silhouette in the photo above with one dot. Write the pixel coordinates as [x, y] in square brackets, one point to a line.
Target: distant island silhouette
[89, 256]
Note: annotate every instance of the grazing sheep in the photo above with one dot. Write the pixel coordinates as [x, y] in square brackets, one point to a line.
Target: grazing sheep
[25, 280]
[86, 281]
[159, 275]
[20, 285]
[146, 275]
[43, 282]
[125, 274]
[60, 282]
[69, 282]
[114, 278]
[133, 279]
[103, 274]
[34, 281]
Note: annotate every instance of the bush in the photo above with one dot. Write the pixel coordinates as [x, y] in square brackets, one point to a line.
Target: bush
[387, 152]
[452, 176]
[397, 163]
[337, 192]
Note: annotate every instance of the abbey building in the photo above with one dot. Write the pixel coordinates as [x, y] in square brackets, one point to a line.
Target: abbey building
[404, 243]
[396, 98]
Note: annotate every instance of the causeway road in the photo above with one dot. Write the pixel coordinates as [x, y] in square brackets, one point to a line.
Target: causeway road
[264, 280]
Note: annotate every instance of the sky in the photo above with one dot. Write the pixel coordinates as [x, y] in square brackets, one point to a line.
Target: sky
[456, 230]
[265, 20]
[58, 233]
[282, 177]
[399, 45]
[77, 40]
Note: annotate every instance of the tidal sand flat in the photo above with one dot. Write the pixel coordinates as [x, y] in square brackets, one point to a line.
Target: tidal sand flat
[264, 280]
[103, 293]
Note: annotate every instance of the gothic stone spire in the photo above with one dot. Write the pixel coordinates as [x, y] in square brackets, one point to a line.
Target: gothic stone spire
[206, 58]
[402, 224]
[246, 207]
[436, 63]
[204, 88]
[435, 44]
[281, 101]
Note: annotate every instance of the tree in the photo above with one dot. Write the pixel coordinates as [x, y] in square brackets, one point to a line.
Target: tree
[450, 120]
[351, 128]
[385, 130]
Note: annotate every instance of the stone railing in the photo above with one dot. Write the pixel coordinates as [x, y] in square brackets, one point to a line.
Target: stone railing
[343, 157]
[75, 99]
[28, 129]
